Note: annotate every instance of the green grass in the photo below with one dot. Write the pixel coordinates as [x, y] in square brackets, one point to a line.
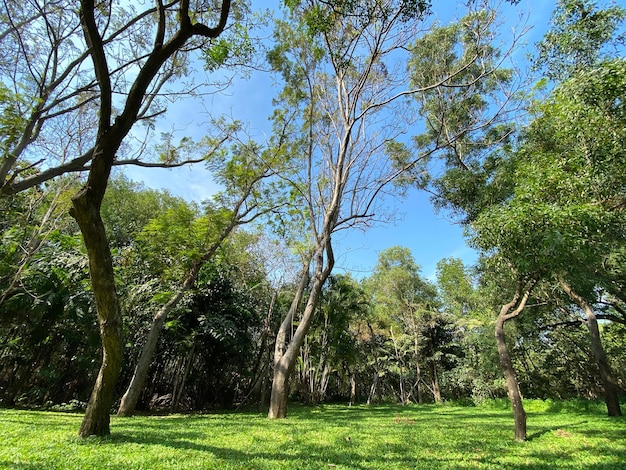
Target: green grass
[561, 435]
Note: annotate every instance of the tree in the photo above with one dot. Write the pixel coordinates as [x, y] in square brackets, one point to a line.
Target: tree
[538, 209]
[112, 129]
[474, 354]
[329, 350]
[581, 36]
[507, 312]
[403, 300]
[342, 67]
[246, 198]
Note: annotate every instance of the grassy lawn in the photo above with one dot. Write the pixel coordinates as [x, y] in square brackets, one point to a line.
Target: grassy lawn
[561, 435]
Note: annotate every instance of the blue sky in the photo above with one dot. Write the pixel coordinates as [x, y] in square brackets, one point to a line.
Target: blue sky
[429, 236]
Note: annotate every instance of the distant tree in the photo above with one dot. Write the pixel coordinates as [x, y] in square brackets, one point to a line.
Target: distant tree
[330, 349]
[250, 193]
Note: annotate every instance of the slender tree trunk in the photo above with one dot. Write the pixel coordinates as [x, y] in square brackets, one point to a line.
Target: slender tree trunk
[178, 394]
[418, 383]
[86, 204]
[372, 394]
[519, 414]
[506, 313]
[352, 389]
[435, 383]
[133, 392]
[403, 399]
[611, 388]
[416, 356]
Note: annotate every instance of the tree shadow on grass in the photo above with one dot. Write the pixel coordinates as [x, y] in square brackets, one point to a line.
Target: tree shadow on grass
[549, 429]
[303, 456]
[20, 466]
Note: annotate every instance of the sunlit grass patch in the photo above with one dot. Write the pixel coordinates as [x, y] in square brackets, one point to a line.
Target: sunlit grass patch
[328, 436]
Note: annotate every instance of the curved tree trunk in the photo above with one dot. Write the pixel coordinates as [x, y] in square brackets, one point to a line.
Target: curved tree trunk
[133, 392]
[519, 414]
[279, 392]
[611, 388]
[285, 364]
[86, 211]
[506, 313]
[86, 204]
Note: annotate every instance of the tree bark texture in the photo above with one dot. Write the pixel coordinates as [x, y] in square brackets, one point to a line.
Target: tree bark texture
[611, 388]
[86, 211]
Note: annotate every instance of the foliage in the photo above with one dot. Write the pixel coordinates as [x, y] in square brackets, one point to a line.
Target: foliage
[331, 355]
[562, 435]
[211, 332]
[461, 59]
[581, 35]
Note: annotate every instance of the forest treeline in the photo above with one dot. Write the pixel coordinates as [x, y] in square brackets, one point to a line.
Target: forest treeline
[167, 304]
[393, 336]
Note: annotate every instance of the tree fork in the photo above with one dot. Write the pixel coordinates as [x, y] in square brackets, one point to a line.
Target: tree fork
[513, 390]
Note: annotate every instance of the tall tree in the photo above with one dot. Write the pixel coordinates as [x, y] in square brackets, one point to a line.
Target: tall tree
[171, 35]
[343, 63]
[557, 216]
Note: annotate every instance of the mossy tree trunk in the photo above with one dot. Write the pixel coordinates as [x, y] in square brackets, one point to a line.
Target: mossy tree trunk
[86, 203]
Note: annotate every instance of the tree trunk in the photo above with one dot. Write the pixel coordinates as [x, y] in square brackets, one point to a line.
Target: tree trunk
[372, 394]
[133, 392]
[435, 384]
[506, 313]
[611, 388]
[278, 397]
[86, 211]
[418, 383]
[519, 415]
[352, 389]
[284, 362]
[178, 395]
[280, 392]
[86, 204]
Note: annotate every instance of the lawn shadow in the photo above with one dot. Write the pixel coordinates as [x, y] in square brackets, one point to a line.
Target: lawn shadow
[320, 456]
[546, 430]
